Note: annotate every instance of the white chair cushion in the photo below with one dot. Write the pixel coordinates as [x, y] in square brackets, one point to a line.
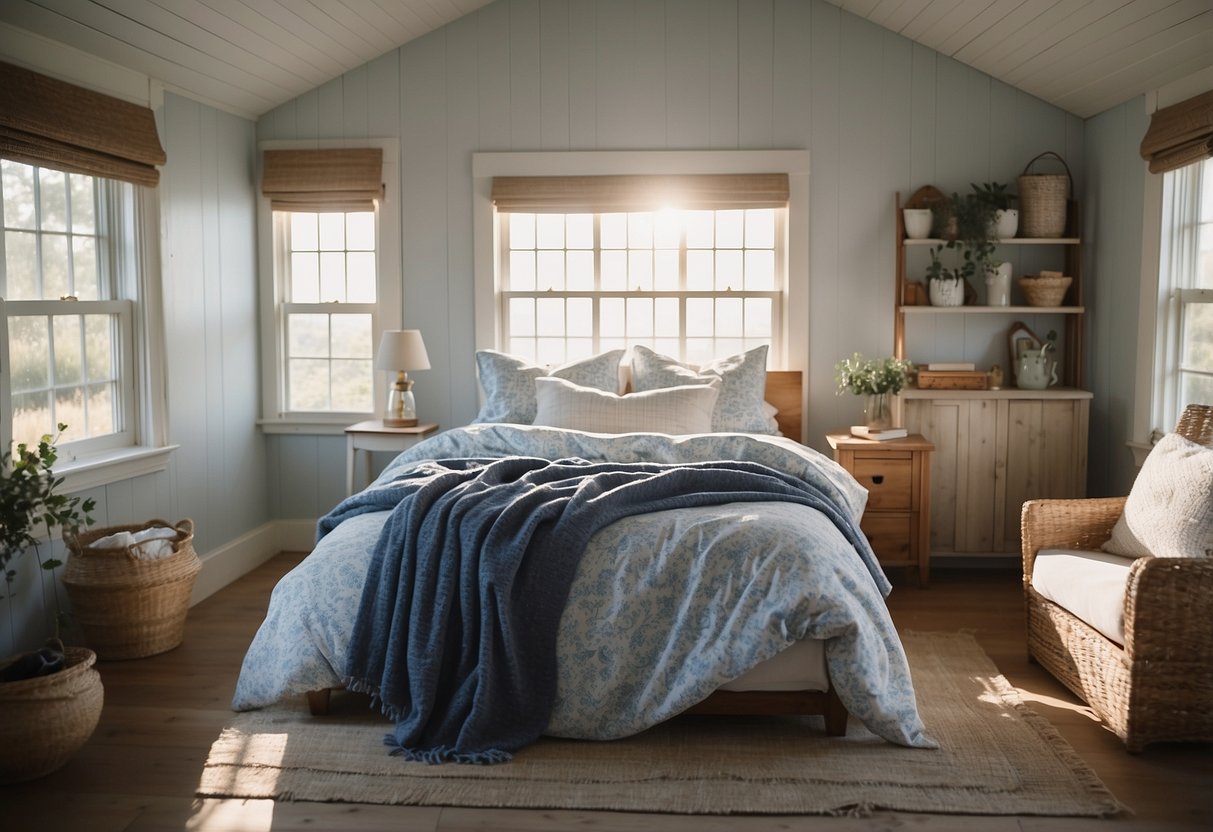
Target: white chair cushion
[1089, 585]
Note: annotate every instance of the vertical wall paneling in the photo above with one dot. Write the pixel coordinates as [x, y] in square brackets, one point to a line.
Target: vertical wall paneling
[722, 73]
[583, 75]
[307, 116]
[790, 74]
[526, 93]
[688, 90]
[213, 394]
[615, 62]
[647, 81]
[755, 75]
[330, 111]
[554, 75]
[924, 119]
[493, 64]
[355, 103]
[383, 96]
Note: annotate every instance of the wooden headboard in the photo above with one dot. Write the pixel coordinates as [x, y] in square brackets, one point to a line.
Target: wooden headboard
[784, 392]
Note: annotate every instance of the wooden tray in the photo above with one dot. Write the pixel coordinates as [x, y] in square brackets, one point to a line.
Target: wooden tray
[951, 380]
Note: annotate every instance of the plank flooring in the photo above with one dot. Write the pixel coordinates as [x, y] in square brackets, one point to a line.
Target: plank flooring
[140, 769]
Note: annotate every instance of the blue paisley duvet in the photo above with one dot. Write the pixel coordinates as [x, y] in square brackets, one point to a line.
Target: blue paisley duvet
[664, 608]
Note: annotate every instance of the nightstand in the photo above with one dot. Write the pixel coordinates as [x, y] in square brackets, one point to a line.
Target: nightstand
[897, 474]
[372, 435]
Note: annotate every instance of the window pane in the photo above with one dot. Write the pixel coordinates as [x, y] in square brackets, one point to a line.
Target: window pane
[522, 347]
[522, 317]
[1195, 388]
[578, 348]
[700, 316]
[305, 234]
[549, 351]
[758, 318]
[86, 282]
[579, 231]
[700, 271]
[351, 337]
[1204, 256]
[640, 230]
[550, 271]
[760, 270]
[29, 351]
[700, 229]
[69, 410]
[84, 205]
[667, 229]
[640, 318]
[549, 231]
[360, 278]
[729, 228]
[728, 270]
[580, 274]
[760, 228]
[54, 267]
[99, 347]
[640, 270]
[1198, 339]
[522, 271]
[614, 271]
[21, 265]
[579, 312]
[305, 278]
[549, 317]
[332, 232]
[360, 230]
[610, 318]
[52, 188]
[101, 409]
[613, 231]
[332, 276]
[308, 380]
[352, 383]
[522, 230]
[665, 270]
[309, 335]
[729, 320]
[69, 362]
[18, 184]
[31, 416]
[667, 321]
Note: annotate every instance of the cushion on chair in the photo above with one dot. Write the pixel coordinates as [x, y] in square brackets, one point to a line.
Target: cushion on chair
[1089, 585]
[1169, 512]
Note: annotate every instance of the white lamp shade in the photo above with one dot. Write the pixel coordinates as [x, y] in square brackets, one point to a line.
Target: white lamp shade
[402, 349]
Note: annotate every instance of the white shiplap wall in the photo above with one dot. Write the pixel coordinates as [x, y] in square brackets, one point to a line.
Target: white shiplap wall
[877, 112]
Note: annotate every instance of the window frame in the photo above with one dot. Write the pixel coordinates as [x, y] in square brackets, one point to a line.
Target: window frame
[131, 265]
[386, 310]
[790, 333]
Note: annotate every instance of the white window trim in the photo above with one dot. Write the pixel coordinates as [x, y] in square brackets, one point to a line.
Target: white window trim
[149, 411]
[794, 327]
[388, 305]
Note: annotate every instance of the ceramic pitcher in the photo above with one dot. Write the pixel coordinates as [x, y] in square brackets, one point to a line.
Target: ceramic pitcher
[1036, 371]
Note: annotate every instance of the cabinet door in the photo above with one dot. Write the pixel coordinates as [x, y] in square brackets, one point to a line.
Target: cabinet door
[1046, 456]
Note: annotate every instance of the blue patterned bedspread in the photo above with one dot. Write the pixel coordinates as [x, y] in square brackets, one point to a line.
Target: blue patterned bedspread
[664, 607]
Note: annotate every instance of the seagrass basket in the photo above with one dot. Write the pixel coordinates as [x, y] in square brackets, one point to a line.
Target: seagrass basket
[1045, 290]
[129, 608]
[1042, 200]
[45, 720]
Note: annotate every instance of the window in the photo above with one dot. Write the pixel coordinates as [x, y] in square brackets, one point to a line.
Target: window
[68, 287]
[692, 284]
[335, 281]
[1184, 349]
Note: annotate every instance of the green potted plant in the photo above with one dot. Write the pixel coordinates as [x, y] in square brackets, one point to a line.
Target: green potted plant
[1000, 200]
[50, 699]
[945, 284]
[877, 380]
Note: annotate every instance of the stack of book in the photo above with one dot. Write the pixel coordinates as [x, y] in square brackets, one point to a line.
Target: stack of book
[878, 434]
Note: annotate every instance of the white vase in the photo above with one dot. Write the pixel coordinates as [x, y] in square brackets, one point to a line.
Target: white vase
[998, 285]
[918, 222]
[947, 291]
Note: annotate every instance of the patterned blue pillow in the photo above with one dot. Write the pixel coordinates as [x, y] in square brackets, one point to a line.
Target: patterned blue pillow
[509, 382]
[740, 407]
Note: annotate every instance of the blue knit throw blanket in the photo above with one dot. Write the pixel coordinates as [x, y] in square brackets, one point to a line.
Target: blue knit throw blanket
[455, 636]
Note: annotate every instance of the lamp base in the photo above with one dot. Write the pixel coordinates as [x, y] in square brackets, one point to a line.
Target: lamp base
[392, 422]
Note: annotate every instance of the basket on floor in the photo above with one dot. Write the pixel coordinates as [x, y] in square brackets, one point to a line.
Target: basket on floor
[1042, 200]
[127, 607]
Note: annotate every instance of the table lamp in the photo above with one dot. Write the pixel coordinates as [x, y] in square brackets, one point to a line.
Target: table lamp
[401, 350]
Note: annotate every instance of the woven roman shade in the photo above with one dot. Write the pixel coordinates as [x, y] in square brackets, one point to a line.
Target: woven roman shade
[1180, 134]
[54, 124]
[606, 194]
[339, 179]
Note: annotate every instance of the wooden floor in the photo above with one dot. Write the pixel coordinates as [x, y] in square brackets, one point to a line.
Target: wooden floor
[140, 769]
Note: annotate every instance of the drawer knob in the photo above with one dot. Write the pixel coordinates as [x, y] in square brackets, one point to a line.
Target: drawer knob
[878, 478]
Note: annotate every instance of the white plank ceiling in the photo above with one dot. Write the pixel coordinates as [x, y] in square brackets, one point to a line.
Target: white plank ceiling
[249, 56]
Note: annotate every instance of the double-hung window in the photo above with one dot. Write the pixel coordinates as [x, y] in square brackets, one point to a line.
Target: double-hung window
[335, 283]
[1185, 337]
[692, 267]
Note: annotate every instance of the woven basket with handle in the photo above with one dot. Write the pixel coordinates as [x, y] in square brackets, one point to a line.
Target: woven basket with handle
[128, 607]
[1042, 200]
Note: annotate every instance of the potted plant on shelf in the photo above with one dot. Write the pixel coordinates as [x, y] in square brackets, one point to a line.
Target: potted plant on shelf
[969, 220]
[50, 699]
[877, 380]
[999, 199]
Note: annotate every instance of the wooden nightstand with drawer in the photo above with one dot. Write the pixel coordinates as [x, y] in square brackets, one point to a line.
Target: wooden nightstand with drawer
[897, 474]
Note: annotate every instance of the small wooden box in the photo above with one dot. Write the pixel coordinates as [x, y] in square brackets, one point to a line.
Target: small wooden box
[951, 380]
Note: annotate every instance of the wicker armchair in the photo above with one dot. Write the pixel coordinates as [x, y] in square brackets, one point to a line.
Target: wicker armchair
[1158, 687]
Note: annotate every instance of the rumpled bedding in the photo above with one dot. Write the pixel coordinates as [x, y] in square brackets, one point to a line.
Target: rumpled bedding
[664, 607]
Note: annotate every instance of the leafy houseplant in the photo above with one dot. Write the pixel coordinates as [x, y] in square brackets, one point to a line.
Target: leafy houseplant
[1005, 218]
[876, 379]
[28, 500]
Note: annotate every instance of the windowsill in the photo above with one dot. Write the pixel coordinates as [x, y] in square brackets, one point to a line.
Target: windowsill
[316, 426]
[96, 470]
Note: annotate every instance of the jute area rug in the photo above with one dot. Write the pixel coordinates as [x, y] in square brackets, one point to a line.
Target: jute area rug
[997, 757]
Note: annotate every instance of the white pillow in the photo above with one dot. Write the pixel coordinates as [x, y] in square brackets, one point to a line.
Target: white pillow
[1169, 512]
[677, 410]
[743, 378]
[509, 382]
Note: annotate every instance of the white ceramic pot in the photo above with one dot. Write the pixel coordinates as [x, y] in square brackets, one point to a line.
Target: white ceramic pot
[998, 285]
[918, 222]
[946, 291]
[1006, 224]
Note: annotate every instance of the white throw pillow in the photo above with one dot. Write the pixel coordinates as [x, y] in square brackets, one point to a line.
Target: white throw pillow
[677, 410]
[1169, 512]
[509, 382]
[743, 381]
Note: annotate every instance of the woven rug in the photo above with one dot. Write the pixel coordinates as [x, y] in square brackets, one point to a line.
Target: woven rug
[997, 757]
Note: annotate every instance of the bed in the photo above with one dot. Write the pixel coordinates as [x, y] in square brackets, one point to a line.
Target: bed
[756, 606]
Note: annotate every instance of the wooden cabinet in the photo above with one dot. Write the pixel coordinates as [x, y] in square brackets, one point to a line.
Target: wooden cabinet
[995, 449]
[897, 474]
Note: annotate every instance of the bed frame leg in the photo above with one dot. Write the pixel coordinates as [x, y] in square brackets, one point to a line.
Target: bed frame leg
[835, 715]
[318, 701]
